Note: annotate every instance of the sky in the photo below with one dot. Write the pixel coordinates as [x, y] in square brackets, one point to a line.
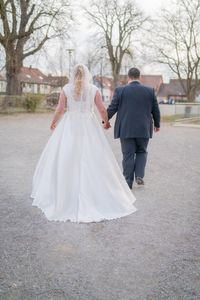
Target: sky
[152, 6]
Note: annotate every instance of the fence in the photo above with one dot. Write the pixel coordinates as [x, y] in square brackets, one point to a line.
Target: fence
[181, 111]
[24, 103]
[187, 110]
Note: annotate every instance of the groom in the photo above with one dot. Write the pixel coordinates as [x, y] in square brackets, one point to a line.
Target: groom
[137, 112]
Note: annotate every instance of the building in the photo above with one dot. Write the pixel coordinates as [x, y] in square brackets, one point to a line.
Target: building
[105, 84]
[174, 90]
[170, 90]
[56, 82]
[32, 80]
[154, 81]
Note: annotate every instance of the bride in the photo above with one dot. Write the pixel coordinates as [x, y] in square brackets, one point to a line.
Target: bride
[77, 177]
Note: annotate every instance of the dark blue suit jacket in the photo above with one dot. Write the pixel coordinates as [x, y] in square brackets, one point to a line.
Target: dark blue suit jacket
[137, 108]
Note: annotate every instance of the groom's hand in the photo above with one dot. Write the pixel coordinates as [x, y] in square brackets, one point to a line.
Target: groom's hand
[156, 129]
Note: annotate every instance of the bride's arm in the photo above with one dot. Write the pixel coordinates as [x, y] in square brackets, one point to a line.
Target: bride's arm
[59, 109]
[100, 106]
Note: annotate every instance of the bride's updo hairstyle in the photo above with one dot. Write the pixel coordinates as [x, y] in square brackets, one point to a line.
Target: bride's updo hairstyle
[80, 80]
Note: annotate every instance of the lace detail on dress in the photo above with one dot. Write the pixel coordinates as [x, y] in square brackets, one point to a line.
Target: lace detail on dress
[85, 103]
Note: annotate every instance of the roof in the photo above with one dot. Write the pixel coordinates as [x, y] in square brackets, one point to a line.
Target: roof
[57, 80]
[32, 75]
[153, 81]
[173, 88]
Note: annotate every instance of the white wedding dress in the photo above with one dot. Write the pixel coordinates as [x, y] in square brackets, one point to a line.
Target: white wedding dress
[77, 177]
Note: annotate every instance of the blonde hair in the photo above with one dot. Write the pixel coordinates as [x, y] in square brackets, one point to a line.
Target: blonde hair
[78, 81]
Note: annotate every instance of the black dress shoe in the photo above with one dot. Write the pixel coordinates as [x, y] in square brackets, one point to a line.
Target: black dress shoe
[139, 181]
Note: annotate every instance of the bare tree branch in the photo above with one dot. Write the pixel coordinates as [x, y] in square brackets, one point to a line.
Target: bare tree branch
[117, 22]
[25, 21]
[179, 37]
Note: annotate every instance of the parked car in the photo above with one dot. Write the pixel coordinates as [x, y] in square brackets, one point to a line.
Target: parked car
[167, 101]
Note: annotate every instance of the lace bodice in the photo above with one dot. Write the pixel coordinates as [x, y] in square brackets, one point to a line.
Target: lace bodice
[91, 97]
[86, 101]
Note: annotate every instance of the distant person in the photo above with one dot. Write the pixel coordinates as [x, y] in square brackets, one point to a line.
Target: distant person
[77, 177]
[137, 113]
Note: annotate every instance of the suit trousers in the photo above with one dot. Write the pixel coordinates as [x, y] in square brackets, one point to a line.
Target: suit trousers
[134, 152]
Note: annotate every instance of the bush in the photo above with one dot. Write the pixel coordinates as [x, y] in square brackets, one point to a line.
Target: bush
[31, 102]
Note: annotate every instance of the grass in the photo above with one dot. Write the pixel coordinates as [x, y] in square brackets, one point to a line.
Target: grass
[172, 118]
[175, 118]
[195, 121]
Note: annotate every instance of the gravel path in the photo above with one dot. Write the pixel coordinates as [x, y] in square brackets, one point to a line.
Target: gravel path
[153, 254]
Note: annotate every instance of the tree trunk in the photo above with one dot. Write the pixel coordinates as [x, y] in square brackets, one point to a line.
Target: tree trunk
[13, 67]
[115, 80]
[115, 73]
[13, 84]
[116, 67]
[191, 94]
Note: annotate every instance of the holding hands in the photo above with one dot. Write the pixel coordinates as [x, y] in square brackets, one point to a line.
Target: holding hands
[106, 125]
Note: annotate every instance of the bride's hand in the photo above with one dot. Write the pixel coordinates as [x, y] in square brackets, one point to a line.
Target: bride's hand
[53, 126]
[106, 125]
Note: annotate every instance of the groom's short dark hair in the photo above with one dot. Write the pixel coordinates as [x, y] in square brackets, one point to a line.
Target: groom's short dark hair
[134, 73]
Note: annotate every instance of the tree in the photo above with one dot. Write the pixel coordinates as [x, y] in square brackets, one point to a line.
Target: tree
[2, 58]
[25, 26]
[95, 56]
[177, 43]
[117, 21]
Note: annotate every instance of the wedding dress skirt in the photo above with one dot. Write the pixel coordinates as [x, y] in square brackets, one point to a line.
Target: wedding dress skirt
[77, 177]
